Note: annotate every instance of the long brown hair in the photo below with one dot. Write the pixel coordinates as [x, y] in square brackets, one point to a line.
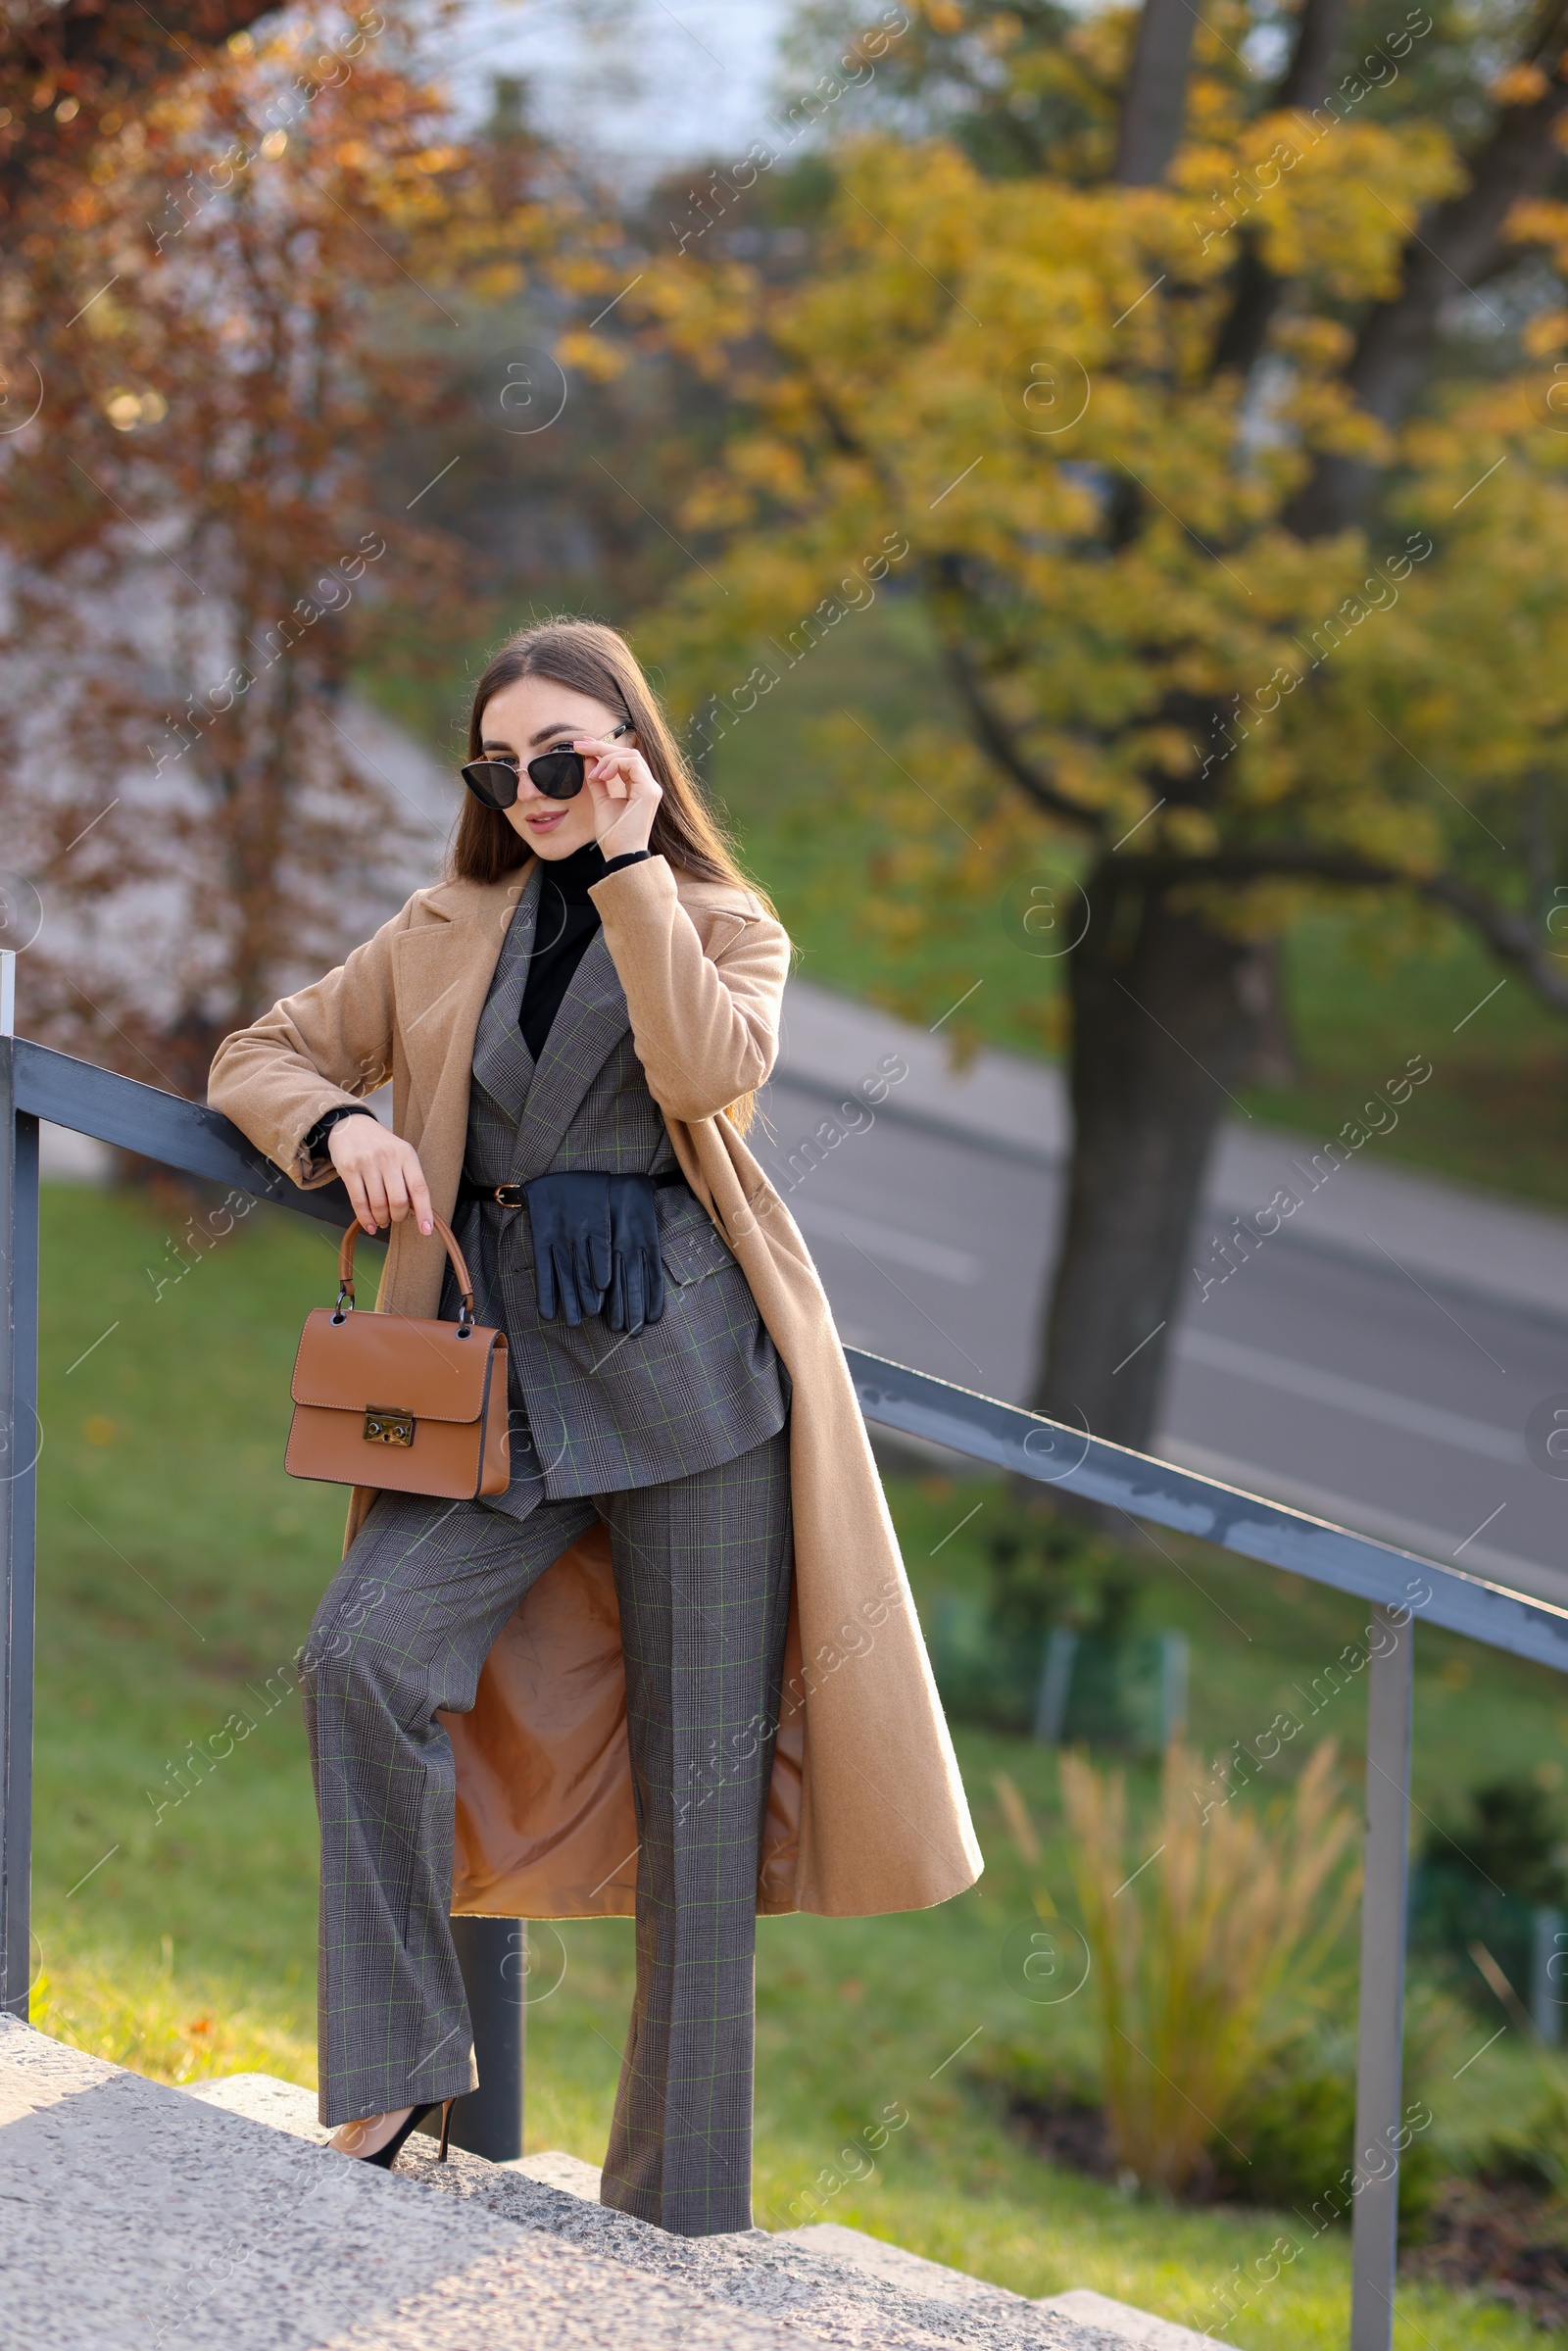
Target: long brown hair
[597, 660]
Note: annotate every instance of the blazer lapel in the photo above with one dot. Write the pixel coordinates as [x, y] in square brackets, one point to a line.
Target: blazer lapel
[502, 1062]
[592, 1019]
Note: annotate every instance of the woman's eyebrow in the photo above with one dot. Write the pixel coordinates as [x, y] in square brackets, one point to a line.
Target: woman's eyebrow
[546, 734]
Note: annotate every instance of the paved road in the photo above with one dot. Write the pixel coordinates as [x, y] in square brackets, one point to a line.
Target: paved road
[1382, 1379]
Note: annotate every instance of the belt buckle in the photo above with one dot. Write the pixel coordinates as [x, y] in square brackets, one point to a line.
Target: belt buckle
[507, 1195]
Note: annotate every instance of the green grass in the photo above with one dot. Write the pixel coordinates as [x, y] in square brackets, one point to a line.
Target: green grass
[178, 1571]
[1496, 1109]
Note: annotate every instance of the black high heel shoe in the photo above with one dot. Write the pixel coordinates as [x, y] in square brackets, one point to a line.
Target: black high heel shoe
[385, 2157]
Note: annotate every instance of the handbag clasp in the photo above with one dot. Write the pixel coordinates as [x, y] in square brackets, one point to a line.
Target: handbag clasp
[383, 1427]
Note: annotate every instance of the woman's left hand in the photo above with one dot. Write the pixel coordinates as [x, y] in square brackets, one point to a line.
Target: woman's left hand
[625, 793]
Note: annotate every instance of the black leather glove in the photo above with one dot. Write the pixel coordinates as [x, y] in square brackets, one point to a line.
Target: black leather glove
[636, 1268]
[568, 1216]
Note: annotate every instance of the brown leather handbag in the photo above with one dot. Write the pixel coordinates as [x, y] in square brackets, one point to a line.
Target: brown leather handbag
[393, 1401]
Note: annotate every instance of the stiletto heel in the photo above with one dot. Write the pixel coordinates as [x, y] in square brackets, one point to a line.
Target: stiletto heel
[385, 2157]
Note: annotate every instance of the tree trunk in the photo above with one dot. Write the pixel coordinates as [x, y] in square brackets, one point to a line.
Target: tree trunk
[1163, 1022]
[1153, 103]
[1317, 39]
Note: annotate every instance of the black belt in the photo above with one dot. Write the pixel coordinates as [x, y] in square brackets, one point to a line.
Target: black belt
[511, 1196]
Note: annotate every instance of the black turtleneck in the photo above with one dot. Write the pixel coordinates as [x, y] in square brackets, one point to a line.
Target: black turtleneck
[563, 924]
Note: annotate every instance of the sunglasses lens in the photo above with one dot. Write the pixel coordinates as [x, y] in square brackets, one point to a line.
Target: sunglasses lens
[494, 782]
[558, 774]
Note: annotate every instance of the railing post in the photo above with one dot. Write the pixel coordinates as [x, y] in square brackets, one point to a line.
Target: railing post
[1375, 2221]
[493, 1954]
[19, 1437]
[1545, 1964]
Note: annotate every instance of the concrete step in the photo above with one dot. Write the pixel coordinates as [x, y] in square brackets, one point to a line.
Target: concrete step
[827, 2284]
[133, 2214]
[929, 2278]
[1127, 2325]
[932, 2280]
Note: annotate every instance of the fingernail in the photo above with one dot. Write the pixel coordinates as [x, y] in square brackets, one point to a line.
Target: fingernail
[425, 1228]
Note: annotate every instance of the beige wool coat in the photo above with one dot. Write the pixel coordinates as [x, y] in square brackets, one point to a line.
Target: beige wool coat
[867, 1811]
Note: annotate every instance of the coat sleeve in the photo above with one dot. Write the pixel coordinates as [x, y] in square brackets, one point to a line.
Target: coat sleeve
[704, 1023]
[327, 1046]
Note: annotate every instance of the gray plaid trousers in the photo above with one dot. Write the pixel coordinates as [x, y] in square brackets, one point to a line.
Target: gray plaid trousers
[702, 1568]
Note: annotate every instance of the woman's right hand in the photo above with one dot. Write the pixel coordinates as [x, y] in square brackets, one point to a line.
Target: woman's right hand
[382, 1173]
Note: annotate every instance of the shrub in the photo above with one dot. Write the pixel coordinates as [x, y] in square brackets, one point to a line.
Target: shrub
[1478, 1882]
[1047, 1571]
[1291, 2141]
[1536, 2155]
[1191, 1943]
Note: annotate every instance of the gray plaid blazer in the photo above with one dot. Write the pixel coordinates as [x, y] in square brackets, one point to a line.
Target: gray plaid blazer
[596, 1410]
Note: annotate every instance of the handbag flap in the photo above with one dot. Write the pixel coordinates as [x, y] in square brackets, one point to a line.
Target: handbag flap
[393, 1363]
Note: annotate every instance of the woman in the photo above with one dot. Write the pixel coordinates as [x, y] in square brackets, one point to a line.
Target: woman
[722, 1683]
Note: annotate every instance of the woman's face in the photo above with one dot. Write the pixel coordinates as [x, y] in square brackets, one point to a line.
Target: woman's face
[536, 715]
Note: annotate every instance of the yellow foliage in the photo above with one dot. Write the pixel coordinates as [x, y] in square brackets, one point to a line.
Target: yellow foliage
[1191, 831]
[1541, 222]
[1001, 34]
[996, 370]
[590, 355]
[1546, 331]
[1333, 201]
[1520, 85]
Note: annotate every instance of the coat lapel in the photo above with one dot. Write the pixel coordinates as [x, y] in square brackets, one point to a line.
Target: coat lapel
[441, 970]
[502, 1062]
[592, 1019]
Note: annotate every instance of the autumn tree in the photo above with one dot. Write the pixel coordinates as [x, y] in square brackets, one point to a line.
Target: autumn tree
[257, 287]
[77, 72]
[1204, 365]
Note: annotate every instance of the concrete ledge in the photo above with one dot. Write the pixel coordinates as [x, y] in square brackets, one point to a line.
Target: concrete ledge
[830, 2240]
[929, 2278]
[569, 2173]
[1127, 2325]
[138, 2216]
[825, 2284]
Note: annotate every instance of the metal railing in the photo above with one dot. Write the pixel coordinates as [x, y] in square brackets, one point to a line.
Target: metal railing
[36, 1084]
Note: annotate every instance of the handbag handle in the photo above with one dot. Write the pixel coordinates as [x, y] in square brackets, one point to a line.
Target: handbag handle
[460, 1266]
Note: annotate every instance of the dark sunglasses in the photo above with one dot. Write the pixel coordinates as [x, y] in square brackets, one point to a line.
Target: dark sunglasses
[558, 774]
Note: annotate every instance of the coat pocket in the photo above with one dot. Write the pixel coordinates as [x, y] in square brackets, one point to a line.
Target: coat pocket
[693, 1250]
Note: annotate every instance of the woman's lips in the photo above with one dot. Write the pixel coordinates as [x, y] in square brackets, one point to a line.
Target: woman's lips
[546, 820]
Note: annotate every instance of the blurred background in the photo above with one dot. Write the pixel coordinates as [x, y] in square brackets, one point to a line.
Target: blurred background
[1092, 484]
